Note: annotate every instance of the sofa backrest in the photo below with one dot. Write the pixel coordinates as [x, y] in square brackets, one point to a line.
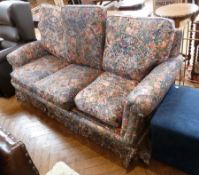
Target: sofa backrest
[84, 27]
[135, 45]
[52, 30]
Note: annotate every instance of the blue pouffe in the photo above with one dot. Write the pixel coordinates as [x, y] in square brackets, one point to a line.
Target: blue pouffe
[175, 130]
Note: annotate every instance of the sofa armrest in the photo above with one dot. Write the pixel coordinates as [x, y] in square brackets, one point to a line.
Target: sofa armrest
[26, 54]
[142, 101]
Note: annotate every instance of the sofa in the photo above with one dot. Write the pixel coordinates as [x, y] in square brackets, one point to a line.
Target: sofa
[16, 28]
[101, 77]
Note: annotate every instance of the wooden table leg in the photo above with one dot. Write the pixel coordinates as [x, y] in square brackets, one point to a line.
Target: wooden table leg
[177, 23]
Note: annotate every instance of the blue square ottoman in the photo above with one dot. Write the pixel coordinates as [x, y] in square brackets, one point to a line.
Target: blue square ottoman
[175, 130]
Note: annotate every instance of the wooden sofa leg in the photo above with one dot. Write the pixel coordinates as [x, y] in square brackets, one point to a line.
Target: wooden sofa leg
[128, 158]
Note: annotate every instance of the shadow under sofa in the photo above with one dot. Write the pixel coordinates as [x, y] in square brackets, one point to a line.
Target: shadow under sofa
[86, 74]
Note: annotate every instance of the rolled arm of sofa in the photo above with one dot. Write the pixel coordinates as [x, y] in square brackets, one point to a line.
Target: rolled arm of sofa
[26, 54]
[142, 101]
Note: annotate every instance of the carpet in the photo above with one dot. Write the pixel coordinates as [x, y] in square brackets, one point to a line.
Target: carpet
[60, 168]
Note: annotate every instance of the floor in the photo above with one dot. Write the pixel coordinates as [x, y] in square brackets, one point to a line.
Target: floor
[49, 142]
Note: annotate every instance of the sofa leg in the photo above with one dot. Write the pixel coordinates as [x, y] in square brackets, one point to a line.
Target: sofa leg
[145, 148]
[128, 158]
[126, 162]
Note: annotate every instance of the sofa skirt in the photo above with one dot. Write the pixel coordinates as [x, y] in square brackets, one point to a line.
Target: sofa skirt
[82, 125]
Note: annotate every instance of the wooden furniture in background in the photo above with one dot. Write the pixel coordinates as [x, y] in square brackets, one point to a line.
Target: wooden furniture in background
[178, 12]
[192, 64]
[59, 3]
[195, 68]
[160, 3]
[144, 12]
[130, 4]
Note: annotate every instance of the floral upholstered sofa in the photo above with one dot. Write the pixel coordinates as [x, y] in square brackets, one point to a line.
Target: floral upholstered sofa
[100, 76]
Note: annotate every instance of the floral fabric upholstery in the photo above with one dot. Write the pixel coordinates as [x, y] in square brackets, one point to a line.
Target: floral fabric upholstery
[175, 51]
[62, 86]
[147, 95]
[135, 45]
[37, 70]
[104, 98]
[26, 54]
[52, 31]
[84, 34]
[114, 107]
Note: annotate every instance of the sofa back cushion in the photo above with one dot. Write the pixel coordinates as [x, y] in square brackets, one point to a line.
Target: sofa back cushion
[52, 31]
[135, 45]
[84, 34]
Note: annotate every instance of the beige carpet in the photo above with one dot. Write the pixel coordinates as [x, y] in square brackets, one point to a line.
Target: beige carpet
[60, 168]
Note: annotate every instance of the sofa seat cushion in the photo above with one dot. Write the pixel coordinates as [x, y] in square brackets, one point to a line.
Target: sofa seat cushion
[62, 86]
[104, 98]
[30, 73]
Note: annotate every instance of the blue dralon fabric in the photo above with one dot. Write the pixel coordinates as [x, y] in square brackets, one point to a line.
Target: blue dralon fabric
[175, 130]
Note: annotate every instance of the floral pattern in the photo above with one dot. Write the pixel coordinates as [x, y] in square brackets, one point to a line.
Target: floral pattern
[62, 86]
[135, 45]
[52, 31]
[175, 51]
[26, 54]
[37, 70]
[147, 95]
[104, 98]
[84, 34]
